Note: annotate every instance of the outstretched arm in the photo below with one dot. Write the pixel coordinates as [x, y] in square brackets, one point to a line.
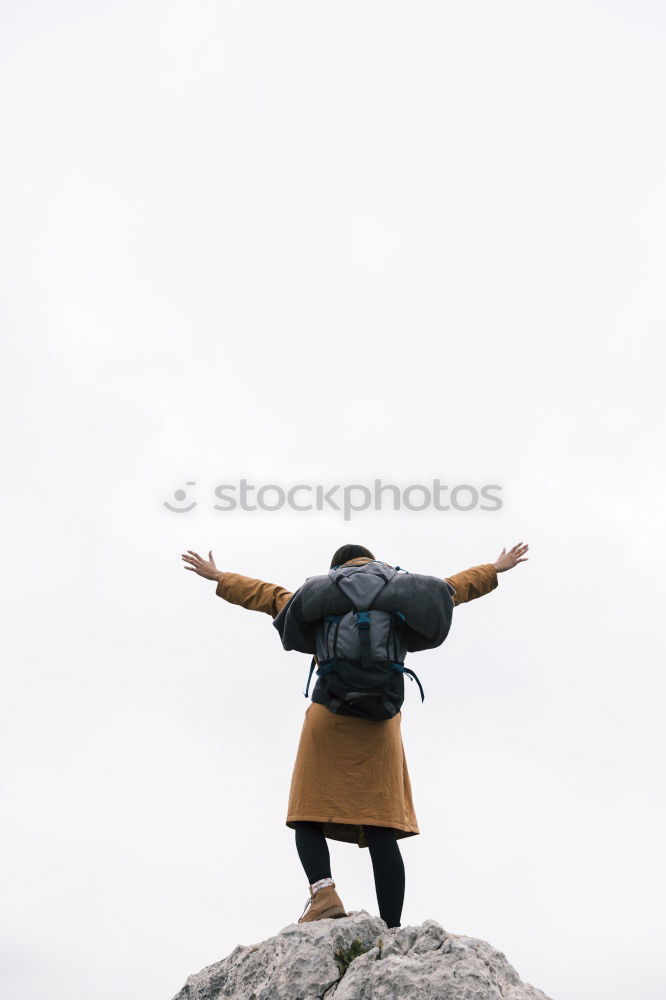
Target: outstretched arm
[255, 595]
[480, 580]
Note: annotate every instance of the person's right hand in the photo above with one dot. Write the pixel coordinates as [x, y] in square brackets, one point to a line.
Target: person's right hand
[202, 567]
[507, 560]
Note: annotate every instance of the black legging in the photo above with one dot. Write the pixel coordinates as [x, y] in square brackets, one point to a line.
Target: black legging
[387, 864]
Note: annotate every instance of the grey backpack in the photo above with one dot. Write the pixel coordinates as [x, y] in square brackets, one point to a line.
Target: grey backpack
[360, 622]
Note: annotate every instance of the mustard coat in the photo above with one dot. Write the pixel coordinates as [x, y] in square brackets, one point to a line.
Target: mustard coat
[349, 772]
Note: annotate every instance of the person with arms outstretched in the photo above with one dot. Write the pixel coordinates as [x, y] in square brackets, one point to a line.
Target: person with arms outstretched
[350, 780]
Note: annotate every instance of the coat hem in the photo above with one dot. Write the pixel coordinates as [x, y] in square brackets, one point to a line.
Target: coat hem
[351, 832]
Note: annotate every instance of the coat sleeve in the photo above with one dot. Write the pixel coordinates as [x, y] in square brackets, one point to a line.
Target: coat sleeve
[255, 595]
[472, 583]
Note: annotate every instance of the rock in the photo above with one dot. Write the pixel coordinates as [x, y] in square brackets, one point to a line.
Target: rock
[358, 958]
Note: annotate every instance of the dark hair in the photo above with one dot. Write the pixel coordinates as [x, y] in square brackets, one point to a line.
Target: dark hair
[347, 552]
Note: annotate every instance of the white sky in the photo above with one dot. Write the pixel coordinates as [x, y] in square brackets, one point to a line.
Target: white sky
[309, 242]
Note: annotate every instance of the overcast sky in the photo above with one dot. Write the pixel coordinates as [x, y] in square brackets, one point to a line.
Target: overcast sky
[314, 243]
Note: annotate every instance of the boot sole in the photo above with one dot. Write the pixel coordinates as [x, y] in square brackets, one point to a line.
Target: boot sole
[334, 912]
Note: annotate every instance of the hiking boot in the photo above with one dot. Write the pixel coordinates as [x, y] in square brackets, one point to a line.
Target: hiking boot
[324, 903]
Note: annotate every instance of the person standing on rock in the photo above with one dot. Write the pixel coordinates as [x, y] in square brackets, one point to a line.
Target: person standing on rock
[350, 780]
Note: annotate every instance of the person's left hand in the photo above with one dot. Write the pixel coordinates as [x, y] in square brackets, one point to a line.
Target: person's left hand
[507, 560]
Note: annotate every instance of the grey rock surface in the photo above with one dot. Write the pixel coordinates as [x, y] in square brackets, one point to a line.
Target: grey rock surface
[359, 958]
